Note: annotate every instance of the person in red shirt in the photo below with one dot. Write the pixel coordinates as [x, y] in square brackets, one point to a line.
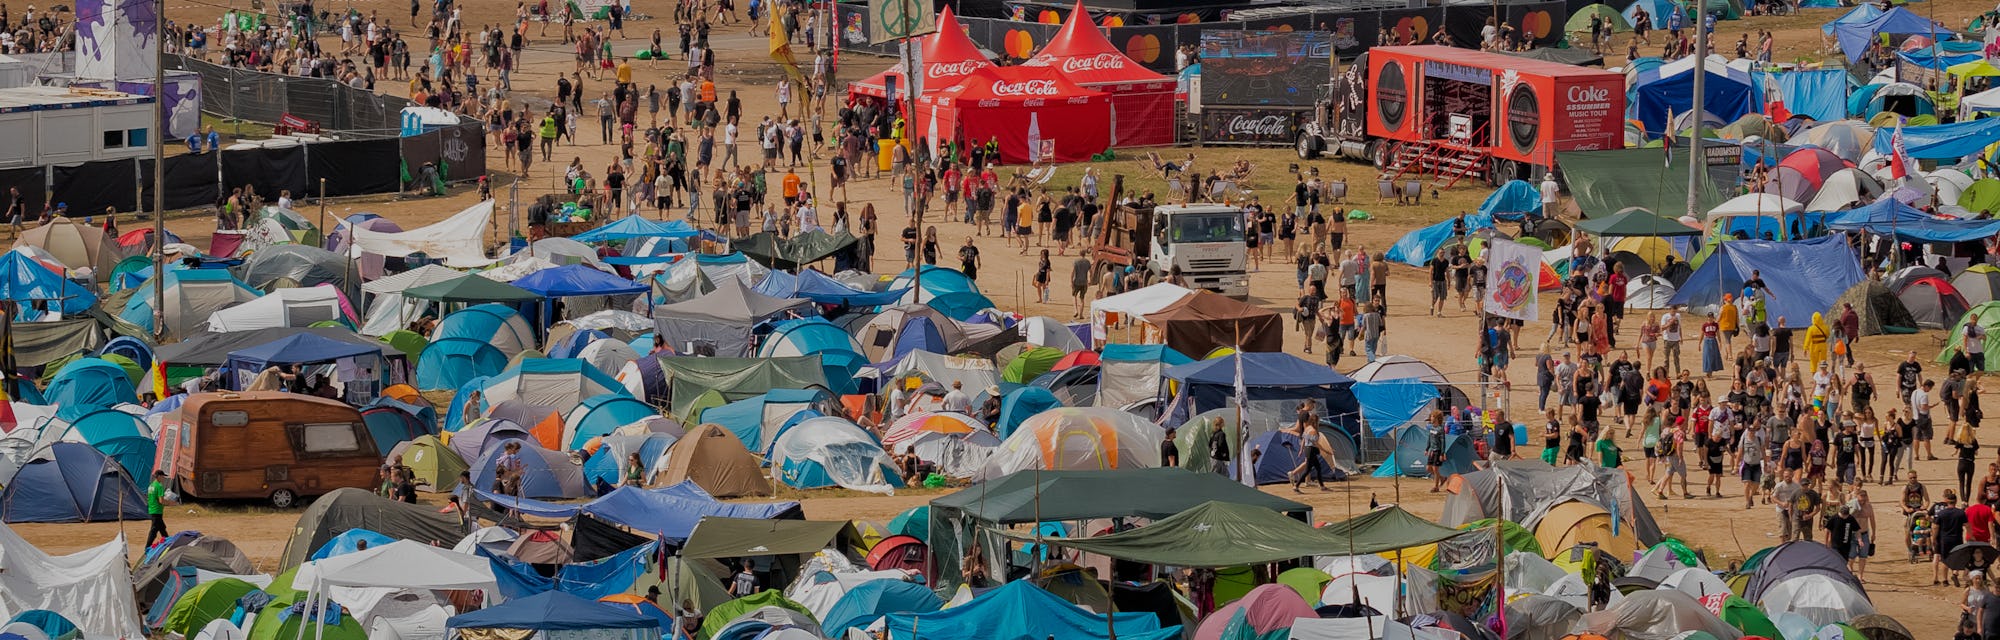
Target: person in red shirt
[1979, 522]
[1614, 296]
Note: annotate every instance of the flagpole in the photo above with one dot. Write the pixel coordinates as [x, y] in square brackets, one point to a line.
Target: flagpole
[1241, 397]
[1695, 163]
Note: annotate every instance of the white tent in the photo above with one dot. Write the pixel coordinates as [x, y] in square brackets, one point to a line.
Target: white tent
[1696, 582]
[1077, 439]
[1381, 627]
[829, 450]
[1820, 599]
[221, 629]
[1755, 204]
[1948, 184]
[1132, 305]
[1845, 189]
[818, 592]
[388, 310]
[609, 355]
[560, 251]
[458, 240]
[517, 268]
[92, 587]
[1398, 367]
[1648, 291]
[1050, 332]
[1655, 614]
[1988, 100]
[1659, 563]
[292, 307]
[974, 374]
[369, 579]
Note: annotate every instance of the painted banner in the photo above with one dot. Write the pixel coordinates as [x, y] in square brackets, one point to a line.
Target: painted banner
[1512, 276]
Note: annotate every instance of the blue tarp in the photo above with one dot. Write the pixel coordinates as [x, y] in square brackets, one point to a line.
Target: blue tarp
[610, 575]
[1891, 216]
[673, 516]
[349, 541]
[70, 482]
[1805, 276]
[1730, 94]
[1942, 141]
[1935, 61]
[25, 281]
[1416, 247]
[823, 289]
[553, 611]
[1143, 353]
[1513, 200]
[867, 602]
[633, 226]
[1388, 404]
[1020, 610]
[1820, 94]
[1858, 15]
[87, 384]
[577, 280]
[1855, 37]
[1210, 384]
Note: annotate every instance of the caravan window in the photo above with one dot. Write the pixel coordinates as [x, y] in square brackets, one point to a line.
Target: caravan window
[327, 439]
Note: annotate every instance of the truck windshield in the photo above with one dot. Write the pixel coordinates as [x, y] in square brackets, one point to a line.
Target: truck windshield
[1210, 227]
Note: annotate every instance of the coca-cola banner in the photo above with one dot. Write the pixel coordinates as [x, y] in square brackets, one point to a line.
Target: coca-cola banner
[1254, 126]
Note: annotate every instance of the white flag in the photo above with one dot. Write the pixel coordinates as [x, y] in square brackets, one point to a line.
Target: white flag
[1513, 275]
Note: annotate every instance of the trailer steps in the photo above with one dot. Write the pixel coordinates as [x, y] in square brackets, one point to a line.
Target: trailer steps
[1441, 165]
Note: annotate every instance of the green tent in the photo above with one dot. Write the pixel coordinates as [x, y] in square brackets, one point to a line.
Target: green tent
[132, 369]
[409, 342]
[792, 253]
[687, 581]
[295, 224]
[1635, 221]
[1749, 619]
[272, 626]
[1754, 124]
[727, 612]
[1032, 362]
[737, 378]
[130, 265]
[471, 289]
[1982, 197]
[710, 399]
[719, 537]
[1211, 535]
[436, 466]
[212, 600]
[1606, 182]
[1309, 582]
[915, 523]
[1987, 314]
[1193, 442]
[1514, 536]
[1387, 529]
[1579, 22]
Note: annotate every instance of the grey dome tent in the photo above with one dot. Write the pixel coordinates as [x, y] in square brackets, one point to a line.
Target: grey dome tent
[71, 482]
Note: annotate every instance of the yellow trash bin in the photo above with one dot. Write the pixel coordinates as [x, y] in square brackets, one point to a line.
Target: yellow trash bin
[886, 156]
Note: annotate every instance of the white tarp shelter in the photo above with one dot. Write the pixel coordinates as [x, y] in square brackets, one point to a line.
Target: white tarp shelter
[458, 240]
[92, 587]
[1132, 305]
[388, 310]
[291, 307]
[1756, 204]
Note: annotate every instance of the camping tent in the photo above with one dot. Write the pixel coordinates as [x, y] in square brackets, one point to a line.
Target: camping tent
[1278, 453]
[550, 382]
[1821, 599]
[472, 342]
[838, 352]
[25, 282]
[1206, 321]
[1855, 37]
[1129, 373]
[293, 266]
[1525, 491]
[1077, 438]
[599, 415]
[91, 588]
[76, 245]
[1794, 559]
[192, 295]
[721, 322]
[1978, 283]
[1654, 614]
[436, 465]
[1576, 522]
[87, 384]
[867, 602]
[120, 435]
[827, 451]
[1269, 379]
[1670, 88]
[1142, 99]
[1648, 291]
[757, 420]
[294, 307]
[1020, 609]
[549, 473]
[309, 349]
[1409, 459]
[556, 612]
[349, 508]
[613, 460]
[1036, 113]
[1804, 276]
[714, 459]
[69, 482]
[1933, 302]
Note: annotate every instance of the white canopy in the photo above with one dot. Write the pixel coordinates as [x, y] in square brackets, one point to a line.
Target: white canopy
[458, 240]
[403, 564]
[292, 307]
[1756, 204]
[92, 587]
[1988, 100]
[1137, 302]
[1821, 599]
[420, 276]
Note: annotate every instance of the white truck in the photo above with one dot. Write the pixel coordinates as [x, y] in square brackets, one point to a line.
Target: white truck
[1205, 240]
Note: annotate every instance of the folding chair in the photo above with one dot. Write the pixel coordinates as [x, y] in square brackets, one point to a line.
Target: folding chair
[1337, 191]
[1385, 190]
[1413, 191]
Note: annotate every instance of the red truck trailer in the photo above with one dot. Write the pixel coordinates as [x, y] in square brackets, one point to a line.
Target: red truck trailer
[1446, 114]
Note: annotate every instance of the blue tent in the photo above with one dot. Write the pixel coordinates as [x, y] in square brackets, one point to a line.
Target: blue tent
[391, 421]
[1388, 404]
[1409, 458]
[70, 482]
[1935, 60]
[609, 463]
[121, 436]
[89, 383]
[1806, 276]
[756, 420]
[1416, 247]
[472, 342]
[937, 281]
[1855, 37]
[634, 226]
[547, 474]
[1942, 141]
[867, 602]
[49, 622]
[824, 452]
[1018, 405]
[602, 414]
[304, 349]
[1279, 454]
[135, 349]
[1210, 384]
[840, 355]
[571, 346]
[1143, 353]
[1819, 94]
[914, 522]
[1890, 216]
[1729, 94]
[960, 305]
[1860, 14]
[577, 280]
[1513, 200]
[554, 611]
[24, 281]
[350, 541]
[1020, 610]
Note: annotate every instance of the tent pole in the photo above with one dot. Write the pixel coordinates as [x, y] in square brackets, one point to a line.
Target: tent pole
[1698, 113]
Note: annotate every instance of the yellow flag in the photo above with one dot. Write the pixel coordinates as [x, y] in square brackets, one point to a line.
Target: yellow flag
[781, 50]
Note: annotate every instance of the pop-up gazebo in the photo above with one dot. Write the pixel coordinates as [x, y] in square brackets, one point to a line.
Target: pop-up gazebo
[947, 56]
[1036, 113]
[1142, 100]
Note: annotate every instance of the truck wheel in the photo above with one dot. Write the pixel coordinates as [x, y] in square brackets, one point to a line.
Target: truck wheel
[1308, 146]
[1502, 171]
[283, 499]
[1385, 154]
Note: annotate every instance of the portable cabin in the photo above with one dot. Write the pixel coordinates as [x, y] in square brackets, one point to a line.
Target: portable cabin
[266, 444]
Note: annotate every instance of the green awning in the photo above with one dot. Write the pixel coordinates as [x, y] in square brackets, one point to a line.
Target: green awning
[794, 252]
[1605, 182]
[1214, 534]
[1057, 496]
[471, 288]
[1635, 221]
[1386, 529]
[718, 537]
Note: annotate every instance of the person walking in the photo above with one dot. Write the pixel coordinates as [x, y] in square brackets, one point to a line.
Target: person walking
[156, 498]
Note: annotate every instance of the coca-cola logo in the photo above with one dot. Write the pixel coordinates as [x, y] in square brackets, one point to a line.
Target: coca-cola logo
[943, 69]
[1267, 126]
[1099, 62]
[1024, 88]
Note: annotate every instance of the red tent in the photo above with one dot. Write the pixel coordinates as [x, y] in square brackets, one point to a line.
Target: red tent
[1142, 100]
[948, 56]
[1024, 108]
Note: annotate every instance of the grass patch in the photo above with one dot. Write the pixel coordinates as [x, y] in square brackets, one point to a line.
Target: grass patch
[233, 129]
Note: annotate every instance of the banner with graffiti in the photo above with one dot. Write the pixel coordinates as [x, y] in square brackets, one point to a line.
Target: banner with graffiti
[1513, 273]
[1473, 595]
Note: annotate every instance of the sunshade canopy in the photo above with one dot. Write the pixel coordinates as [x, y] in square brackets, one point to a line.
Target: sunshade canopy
[1213, 534]
[577, 280]
[471, 288]
[1634, 221]
[717, 537]
[1082, 495]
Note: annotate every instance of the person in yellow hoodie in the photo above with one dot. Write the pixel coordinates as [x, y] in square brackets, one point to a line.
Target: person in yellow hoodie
[1726, 320]
[1816, 342]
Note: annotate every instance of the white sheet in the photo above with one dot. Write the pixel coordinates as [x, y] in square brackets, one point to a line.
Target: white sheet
[92, 587]
[458, 240]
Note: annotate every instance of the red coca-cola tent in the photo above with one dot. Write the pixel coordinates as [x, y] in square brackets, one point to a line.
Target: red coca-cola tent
[948, 55]
[1142, 101]
[1025, 108]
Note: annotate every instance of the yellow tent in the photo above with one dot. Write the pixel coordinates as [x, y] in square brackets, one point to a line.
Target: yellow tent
[1574, 522]
[1652, 250]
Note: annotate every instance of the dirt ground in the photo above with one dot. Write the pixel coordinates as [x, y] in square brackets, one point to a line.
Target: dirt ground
[1723, 527]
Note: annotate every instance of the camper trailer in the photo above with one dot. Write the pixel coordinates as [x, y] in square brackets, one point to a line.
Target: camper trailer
[265, 445]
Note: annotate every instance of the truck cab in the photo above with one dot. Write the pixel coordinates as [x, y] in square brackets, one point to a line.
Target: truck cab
[1206, 241]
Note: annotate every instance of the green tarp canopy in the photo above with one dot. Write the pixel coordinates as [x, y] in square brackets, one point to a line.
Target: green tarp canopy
[721, 617]
[737, 378]
[1386, 529]
[1214, 534]
[1635, 221]
[40, 343]
[1605, 182]
[719, 537]
[792, 253]
[471, 288]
